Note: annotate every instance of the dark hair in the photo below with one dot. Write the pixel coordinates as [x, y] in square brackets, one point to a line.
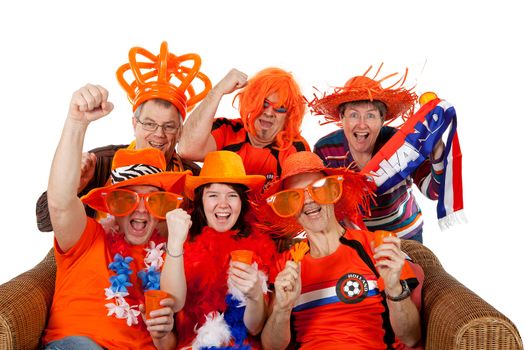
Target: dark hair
[380, 106]
[198, 217]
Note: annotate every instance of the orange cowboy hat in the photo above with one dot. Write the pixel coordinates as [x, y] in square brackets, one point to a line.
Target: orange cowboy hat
[223, 167]
[358, 189]
[137, 167]
[165, 76]
[399, 101]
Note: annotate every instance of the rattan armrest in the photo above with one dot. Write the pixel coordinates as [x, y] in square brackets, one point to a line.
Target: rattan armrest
[24, 304]
[454, 316]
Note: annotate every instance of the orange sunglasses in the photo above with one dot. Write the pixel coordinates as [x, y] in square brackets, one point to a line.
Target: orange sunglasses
[121, 202]
[287, 203]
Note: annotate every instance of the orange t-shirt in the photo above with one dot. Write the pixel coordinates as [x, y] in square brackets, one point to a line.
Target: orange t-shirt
[230, 135]
[79, 301]
[341, 306]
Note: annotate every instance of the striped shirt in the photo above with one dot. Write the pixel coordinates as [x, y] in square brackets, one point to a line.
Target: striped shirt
[395, 210]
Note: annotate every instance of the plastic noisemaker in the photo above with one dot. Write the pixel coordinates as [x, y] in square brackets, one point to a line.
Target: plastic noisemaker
[299, 250]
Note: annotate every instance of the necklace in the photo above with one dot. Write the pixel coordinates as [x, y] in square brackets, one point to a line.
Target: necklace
[120, 281]
[359, 164]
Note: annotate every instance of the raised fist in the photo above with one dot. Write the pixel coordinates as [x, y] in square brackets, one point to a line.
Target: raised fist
[89, 103]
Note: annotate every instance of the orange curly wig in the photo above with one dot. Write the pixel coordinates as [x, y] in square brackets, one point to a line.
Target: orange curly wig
[263, 84]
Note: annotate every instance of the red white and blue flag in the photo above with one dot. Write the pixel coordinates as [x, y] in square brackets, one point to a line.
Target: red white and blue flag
[412, 144]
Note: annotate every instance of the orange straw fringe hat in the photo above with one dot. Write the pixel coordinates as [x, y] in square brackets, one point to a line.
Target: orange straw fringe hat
[223, 167]
[399, 101]
[137, 167]
[358, 190]
[165, 76]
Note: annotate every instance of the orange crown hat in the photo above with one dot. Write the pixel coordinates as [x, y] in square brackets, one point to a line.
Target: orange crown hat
[399, 101]
[223, 167]
[263, 84]
[358, 190]
[137, 167]
[165, 76]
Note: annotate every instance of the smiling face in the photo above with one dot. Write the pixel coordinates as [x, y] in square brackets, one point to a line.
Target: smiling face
[139, 225]
[362, 122]
[269, 123]
[161, 113]
[222, 206]
[313, 217]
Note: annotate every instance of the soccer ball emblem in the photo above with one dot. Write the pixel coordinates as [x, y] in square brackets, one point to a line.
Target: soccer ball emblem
[351, 288]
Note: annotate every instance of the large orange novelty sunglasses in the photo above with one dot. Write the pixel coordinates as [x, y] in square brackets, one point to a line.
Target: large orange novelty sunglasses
[289, 202]
[121, 202]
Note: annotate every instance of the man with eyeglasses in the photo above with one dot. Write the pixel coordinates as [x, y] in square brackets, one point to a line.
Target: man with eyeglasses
[343, 291]
[271, 111]
[159, 105]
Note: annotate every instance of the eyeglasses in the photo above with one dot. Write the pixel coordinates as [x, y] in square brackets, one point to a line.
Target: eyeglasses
[121, 202]
[355, 117]
[152, 126]
[268, 103]
[287, 203]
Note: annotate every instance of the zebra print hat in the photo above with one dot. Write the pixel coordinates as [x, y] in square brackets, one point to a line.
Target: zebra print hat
[137, 167]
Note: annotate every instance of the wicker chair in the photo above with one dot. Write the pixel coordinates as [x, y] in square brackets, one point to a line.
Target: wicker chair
[454, 317]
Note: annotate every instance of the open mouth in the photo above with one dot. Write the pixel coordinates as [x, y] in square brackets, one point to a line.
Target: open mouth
[222, 216]
[361, 136]
[138, 224]
[156, 144]
[311, 211]
[265, 124]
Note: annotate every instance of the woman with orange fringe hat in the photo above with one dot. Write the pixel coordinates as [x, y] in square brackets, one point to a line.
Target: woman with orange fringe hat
[335, 289]
[362, 107]
[271, 108]
[226, 260]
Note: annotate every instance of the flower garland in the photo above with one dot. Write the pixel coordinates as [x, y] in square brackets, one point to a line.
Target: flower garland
[120, 281]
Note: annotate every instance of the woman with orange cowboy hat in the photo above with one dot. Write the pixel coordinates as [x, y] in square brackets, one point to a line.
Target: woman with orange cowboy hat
[339, 290]
[103, 272]
[362, 107]
[226, 299]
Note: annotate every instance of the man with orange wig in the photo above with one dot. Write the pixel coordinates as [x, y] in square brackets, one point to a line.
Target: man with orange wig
[271, 111]
[162, 90]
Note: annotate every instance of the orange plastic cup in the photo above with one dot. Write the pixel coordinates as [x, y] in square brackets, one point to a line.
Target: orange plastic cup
[245, 256]
[153, 298]
[379, 235]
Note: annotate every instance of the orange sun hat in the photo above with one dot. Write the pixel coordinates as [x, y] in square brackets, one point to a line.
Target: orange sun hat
[398, 100]
[358, 190]
[223, 167]
[137, 167]
[166, 76]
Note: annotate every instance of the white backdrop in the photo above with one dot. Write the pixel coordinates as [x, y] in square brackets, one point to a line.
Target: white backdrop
[474, 59]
